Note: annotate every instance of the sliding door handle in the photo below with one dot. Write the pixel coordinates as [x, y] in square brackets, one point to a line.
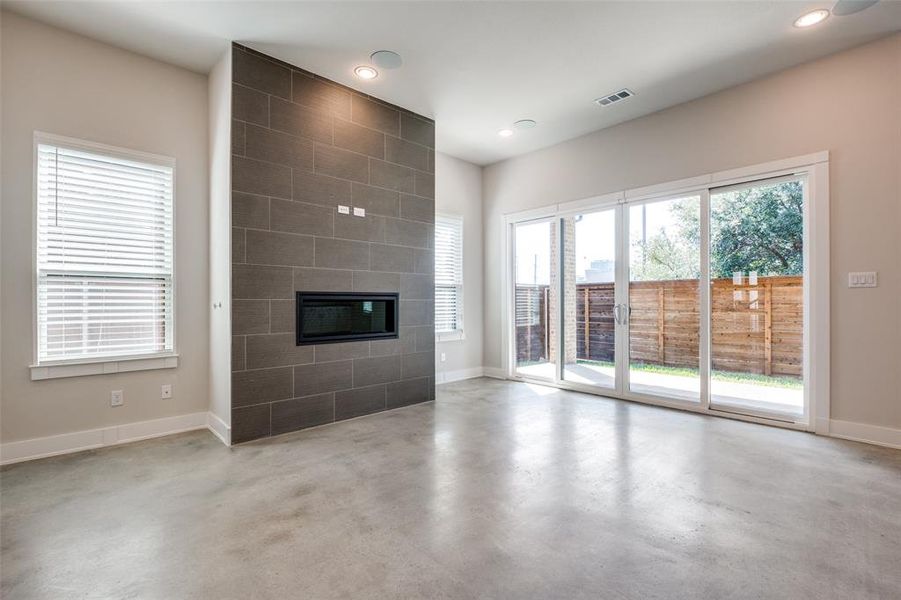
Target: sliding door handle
[621, 313]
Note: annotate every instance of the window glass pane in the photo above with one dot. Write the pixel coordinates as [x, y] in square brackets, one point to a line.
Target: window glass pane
[664, 298]
[589, 272]
[535, 298]
[448, 274]
[757, 297]
[104, 255]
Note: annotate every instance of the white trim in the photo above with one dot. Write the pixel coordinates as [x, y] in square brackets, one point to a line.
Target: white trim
[768, 169]
[220, 428]
[592, 203]
[705, 350]
[672, 189]
[442, 377]
[77, 441]
[454, 335]
[126, 153]
[862, 432]
[494, 373]
[508, 320]
[621, 298]
[102, 367]
[817, 301]
[532, 214]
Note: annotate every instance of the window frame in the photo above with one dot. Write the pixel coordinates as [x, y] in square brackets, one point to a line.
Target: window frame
[50, 369]
[459, 333]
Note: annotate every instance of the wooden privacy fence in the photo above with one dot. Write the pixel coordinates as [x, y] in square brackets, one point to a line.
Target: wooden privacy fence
[754, 328]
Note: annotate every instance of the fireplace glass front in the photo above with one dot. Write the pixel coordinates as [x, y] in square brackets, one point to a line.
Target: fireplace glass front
[325, 317]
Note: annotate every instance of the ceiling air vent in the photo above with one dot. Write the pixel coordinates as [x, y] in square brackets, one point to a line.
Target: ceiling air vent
[614, 97]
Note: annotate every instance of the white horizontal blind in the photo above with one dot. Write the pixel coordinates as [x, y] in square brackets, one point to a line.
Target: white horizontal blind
[104, 255]
[448, 274]
[530, 299]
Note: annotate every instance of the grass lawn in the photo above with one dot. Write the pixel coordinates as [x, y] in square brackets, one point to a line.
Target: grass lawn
[780, 381]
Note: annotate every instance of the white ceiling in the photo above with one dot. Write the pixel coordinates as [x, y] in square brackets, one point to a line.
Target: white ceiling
[478, 66]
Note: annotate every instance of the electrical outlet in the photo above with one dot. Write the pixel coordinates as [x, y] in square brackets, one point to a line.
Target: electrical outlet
[443, 357]
[359, 212]
[166, 391]
[861, 279]
[343, 210]
[117, 398]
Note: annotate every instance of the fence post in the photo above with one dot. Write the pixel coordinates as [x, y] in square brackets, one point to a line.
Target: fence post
[661, 314]
[768, 327]
[547, 325]
[587, 327]
[528, 356]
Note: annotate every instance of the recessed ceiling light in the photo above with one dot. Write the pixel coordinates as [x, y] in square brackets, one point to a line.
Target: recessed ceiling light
[386, 59]
[366, 72]
[505, 132]
[524, 124]
[812, 18]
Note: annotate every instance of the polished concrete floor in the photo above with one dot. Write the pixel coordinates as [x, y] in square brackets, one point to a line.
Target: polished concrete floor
[497, 490]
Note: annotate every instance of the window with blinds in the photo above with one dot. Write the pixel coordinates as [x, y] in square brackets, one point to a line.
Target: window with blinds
[448, 274]
[104, 253]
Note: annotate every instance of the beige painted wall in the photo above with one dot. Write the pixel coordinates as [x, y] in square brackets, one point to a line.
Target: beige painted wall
[458, 189]
[848, 104]
[61, 83]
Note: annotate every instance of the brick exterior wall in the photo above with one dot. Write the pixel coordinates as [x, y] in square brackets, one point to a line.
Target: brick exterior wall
[569, 298]
[302, 145]
[570, 336]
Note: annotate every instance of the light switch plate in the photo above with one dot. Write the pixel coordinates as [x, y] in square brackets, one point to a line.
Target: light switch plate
[359, 212]
[166, 391]
[116, 398]
[862, 279]
[343, 210]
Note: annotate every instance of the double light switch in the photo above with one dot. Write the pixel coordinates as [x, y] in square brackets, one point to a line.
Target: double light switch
[345, 210]
[861, 279]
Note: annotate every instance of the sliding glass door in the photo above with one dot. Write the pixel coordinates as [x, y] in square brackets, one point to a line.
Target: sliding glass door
[535, 298]
[664, 298]
[590, 300]
[695, 298]
[757, 298]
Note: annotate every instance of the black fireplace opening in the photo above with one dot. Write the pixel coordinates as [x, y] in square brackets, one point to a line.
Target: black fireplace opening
[328, 317]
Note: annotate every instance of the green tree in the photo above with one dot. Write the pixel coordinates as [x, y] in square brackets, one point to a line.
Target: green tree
[758, 229]
[673, 252]
[755, 229]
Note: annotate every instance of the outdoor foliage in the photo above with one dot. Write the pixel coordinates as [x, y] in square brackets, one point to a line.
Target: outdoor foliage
[671, 253]
[756, 229]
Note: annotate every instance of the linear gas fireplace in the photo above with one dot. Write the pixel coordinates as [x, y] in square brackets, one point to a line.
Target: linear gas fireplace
[327, 317]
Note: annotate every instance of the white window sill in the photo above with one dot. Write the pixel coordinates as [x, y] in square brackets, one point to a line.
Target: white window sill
[450, 336]
[56, 370]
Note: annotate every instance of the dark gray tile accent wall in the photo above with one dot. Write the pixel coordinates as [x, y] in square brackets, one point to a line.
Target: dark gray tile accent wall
[301, 146]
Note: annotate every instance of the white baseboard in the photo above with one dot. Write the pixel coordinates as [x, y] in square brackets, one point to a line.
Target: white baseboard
[862, 432]
[67, 443]
[494, 373]
[459, 375]
[821, 426]
[13, 452]
[219, 428]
